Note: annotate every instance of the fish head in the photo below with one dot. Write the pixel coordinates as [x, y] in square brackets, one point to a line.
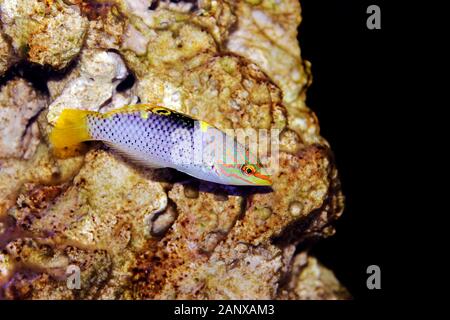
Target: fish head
[243, 174]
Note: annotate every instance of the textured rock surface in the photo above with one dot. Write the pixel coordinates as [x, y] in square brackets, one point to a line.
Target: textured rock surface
[309, 280]
[19, 105]
[266, 33]
[45, 32]
[140, 233]
[6, 54]
[90, 85]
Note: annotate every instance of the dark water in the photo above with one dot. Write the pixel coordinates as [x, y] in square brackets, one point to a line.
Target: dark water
[351, 95]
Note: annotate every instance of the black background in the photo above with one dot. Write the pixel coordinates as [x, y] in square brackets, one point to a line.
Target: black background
[352, 96]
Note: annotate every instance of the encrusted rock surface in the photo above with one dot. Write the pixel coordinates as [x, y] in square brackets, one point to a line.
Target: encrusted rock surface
[44, 32]
[309, 280]
[19, 105]
[139, 233]
[6, 54]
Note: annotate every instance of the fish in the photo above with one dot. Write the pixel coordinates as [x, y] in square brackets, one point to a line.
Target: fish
[158, 137]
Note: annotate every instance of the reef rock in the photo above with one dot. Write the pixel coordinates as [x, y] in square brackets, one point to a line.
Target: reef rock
[6, 54]
[19, 106]
[135, 233]
[90, 85]
[309, 280]
[44, 32]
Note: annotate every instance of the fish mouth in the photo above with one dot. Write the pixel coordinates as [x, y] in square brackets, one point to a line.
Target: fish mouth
[265, 180]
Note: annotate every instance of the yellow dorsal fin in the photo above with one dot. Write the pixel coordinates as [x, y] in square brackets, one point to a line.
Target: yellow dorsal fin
[129, 108]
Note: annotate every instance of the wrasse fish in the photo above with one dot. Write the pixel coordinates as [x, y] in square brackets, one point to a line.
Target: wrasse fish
[159, 137]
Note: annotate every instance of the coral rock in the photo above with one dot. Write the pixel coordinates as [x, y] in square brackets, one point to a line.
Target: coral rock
[45, 32]
[90, 86]
[6, 54]
[310, 280]
[19, 106]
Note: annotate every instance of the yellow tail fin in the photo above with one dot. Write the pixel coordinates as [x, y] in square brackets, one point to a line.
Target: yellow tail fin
[70, 130]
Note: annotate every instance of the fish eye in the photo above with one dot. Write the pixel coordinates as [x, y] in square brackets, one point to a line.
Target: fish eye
[248, 169]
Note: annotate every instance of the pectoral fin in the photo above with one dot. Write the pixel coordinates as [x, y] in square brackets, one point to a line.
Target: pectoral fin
[134, 157]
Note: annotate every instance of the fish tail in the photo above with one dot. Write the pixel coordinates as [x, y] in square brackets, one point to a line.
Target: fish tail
[70, 130]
